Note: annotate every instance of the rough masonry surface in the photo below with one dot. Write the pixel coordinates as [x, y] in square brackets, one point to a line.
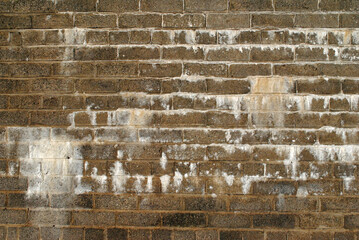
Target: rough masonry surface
[179, 119]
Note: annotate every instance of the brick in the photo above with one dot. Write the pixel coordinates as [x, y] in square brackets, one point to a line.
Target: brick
[160, 70]
[140, 37]
[183, 219]
[274, 221]
[319, 86]
[72, 233]
[205, 37]
[203, 5]
[117, 234]
[161, 37]
[184, 21]
[176, 85]
[25, 102]
[48, 233]
[52, 21]
[227, 21]
[296, 204]
[269, 20]
[97, 37]
[248, 204]
[20, 200]
[208, 204]
[321, 187]
[190, 235]
[228, 54]
[95, 20]
[118, 37]
[15, 22]
[117, 69]
[250, 5]
[31, 233]
[12, 216]
[138, 219]
[271, 54]
[30, 70]
[94, 218]
[296, 70]
[74, 69]
[183, 53]
[134, 53]
[313, 54]
[343, 235]
[78, 6]
[47, 118]
[333, 5]
[204, 136]
[118, 6]
[67, 201]
[350, 87]
[162, 6]
[322, 220]
[50, 217]
[348, 21]
[292, 5]
[317, 20]
[229, 221]
[94, 234]
[216, 70]
[158, 234]
[245, 70]
[13, 118]
[274, 187]
[219, 119]
[139, 20]
[98, 53]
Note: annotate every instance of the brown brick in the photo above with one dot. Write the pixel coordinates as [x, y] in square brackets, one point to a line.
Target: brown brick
[183, 53]
[117, 69]
[348, 21]
[8, 216]
[162, 6]
[15, 21]
[229, 221]
[119, 37]
[139, 20]
[89, 218]
[31, 233]
[245, 70]
[94, 85]
[227, 21]
[94, 234]
[161, 70]
[333, 5]
[184, 21]
[140, 85]
[115, 202]
[317, 20]
[294, 37]
[271, 54]
[13, 118]
[296, 204]
[160, 203]
[161, 37]
[250, 5]
[72, 233]
[78, 6]
[25, 102]
[350, 87]
[74, 69]
[97, 37]
[140, 37]
[206, 204]
[118, 6]
[30, 70]
[21, 200]
[217, 70]
[183, 219]
[52, 21]
[93, 20]
[204, 136]
[345, 204]
[274, 221]
[50, 217]
[319, 86]
[296, 70]
[138, 219]
[274, 187]
[321, 187]
[134, 53]
[228, 54]
[117, 234]
[314, 54]
[293, 5]
[269, 20]
[68, 201]
[322, 220]
[48, 233]
[203, 5]
[247, 204]
[220, 119]
[95, 53]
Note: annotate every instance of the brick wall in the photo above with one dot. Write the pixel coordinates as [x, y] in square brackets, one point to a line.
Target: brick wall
[179, 119]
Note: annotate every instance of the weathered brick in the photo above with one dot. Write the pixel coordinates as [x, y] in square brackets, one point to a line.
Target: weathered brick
[134, 53]
[203, 5]
[117, 234]
[323, 220]
[274, 221]
[183, 53]
[348, 21]
[161, 70]
[229, 221]
[139, 20]
[162, 6]
[250, 5]
[271, 54]
[119, 37]
[217, 70]
[117, 69]
[319, 86]
[48, 233]
[228, 54]
[94, 234]
[138, 219]
[227, 21]
[317, 20]
[333, 5]
[94, 218]
[140, 37]
[31, 233]
[183, 219]
[292, 5]
[245, 70]
[269, 20]
[275, 187]
[15, 22]
[93, 20]
[78, 6]
[95, 53]
[118, 6]
[12, 216]
[52, 21]
[184, 21]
